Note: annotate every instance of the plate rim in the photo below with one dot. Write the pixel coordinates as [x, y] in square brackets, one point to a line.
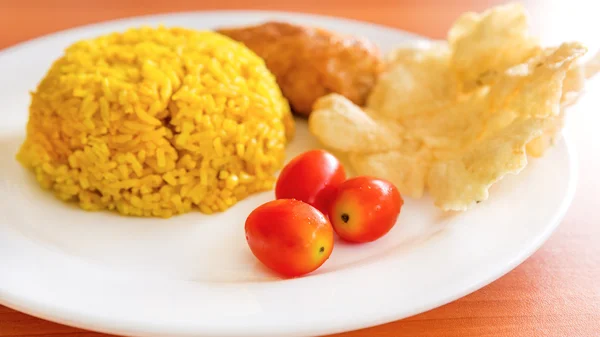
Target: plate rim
[306, 15]
[89, 323]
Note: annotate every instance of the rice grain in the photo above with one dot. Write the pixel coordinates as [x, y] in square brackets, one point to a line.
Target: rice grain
[157, 122]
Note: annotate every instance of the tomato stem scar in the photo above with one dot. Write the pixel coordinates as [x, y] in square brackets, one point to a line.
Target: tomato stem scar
[345, 218]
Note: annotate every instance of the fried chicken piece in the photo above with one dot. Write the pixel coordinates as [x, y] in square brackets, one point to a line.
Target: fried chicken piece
[312, 62]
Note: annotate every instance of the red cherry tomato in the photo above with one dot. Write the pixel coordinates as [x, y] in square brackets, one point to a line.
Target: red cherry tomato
[289, 236]
[365, 209]
[311, 177]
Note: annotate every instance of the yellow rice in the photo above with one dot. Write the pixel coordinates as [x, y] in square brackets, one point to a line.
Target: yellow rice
[157, 122]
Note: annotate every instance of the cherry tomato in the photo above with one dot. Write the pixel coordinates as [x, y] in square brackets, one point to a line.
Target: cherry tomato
[365, 209]
[311, 177]
[289, 236]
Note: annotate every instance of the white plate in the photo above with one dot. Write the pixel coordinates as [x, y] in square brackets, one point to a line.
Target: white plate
[193, 275]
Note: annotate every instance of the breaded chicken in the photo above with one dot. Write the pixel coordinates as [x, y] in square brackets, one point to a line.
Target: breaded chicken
[311, 62]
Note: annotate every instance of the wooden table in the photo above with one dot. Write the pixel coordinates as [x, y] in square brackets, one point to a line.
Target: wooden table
[554, 293]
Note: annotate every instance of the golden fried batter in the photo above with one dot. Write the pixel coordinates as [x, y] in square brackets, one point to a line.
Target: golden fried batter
[312, 62]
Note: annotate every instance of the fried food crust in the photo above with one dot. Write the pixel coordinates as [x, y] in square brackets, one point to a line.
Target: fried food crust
[312, 62]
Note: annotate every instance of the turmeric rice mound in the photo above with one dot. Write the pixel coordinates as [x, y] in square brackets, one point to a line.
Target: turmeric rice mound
[157, 122]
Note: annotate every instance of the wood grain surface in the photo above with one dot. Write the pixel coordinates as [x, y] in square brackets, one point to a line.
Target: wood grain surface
[555, 293]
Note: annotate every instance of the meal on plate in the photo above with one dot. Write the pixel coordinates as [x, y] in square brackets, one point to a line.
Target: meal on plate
[310, 62]
[455, 117]
[157, 122]
[160, 121]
